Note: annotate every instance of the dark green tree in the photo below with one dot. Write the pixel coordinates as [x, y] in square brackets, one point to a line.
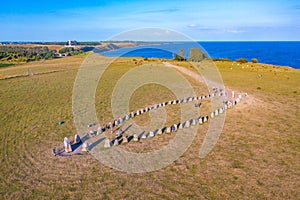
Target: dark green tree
[254, 60]
[242, 60]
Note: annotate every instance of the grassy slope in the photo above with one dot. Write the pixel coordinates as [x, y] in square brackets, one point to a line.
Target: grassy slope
[257, 155]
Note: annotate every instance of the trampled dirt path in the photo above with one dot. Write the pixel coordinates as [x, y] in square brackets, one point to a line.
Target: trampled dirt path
[199, 78]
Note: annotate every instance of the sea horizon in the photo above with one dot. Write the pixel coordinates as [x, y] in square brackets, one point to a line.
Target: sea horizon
[281, 53]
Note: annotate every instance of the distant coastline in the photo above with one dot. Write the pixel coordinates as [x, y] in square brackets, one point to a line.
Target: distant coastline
[282, 53]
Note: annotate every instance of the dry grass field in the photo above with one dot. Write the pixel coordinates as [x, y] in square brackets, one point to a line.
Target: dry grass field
[256, 157]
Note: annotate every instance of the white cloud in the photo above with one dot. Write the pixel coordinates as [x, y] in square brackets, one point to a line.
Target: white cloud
[192, 25]
[235, 31]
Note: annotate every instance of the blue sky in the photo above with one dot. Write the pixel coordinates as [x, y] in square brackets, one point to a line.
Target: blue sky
[94, 20]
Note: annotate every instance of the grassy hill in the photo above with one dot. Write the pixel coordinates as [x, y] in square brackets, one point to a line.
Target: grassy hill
[256, 157]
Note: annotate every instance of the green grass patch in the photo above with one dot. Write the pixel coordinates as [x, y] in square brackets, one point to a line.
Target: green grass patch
[2, 65]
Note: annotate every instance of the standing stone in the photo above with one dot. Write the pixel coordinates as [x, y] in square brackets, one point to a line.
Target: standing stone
[200, 120]
[212, 115]
[174, 102]
[159, 132]
[127, 117]
[220, 110]
[93, 132]
[168, 130]
[216, 112]
[116, 142]
[132, 114]
[225, 106]
[194, 122]
[151, 134]
[99, 130]
[144, 136]
[67, 145]
[116, 122]
[108, 126]
[190, 99]
[77, 139]
[124, 140]
[232, 94]
[107, 143]
[205, 119]
[187, 123]
[175, 127]
[239, 96]
[230, 104]
[135, 138]
[137, 112]
[141, 111]
[172, 128]
[85, 147]
[180, 126]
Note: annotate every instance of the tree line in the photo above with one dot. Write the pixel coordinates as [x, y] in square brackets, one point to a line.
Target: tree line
[27, 54]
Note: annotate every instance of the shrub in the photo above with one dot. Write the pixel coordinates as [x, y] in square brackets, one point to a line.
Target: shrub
[242, 60]
[225, 59]
[221, 59]
[254, 60]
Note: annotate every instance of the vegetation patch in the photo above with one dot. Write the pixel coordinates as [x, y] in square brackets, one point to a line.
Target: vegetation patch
[5, 64]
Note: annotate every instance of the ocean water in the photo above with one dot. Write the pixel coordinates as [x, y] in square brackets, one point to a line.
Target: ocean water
[277, 53]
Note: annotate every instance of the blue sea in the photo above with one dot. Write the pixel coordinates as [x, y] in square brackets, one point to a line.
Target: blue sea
[277, 53]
